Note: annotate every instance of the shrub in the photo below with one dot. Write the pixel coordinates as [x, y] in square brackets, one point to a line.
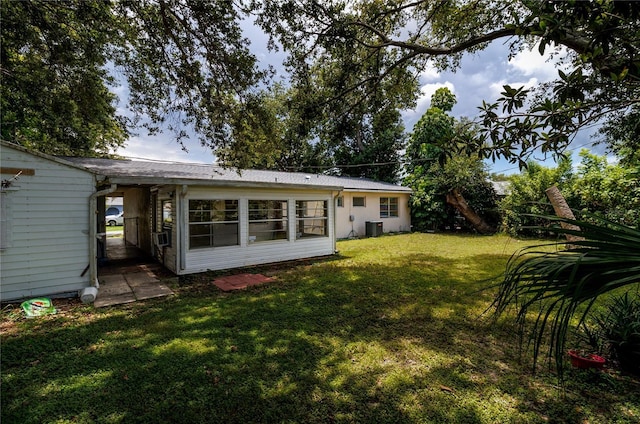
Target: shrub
[616, 331]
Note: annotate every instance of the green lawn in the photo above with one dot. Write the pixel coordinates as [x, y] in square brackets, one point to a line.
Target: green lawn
[389, 331]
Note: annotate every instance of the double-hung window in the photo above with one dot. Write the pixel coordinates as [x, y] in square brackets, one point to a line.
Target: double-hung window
[388, 207]
[311, 218]
[213, 223]
[268, 220]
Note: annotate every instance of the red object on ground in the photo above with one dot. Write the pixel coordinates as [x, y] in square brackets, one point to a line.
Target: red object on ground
[588, 361]
[240, 281]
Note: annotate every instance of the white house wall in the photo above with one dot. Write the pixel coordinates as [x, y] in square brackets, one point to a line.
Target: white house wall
[254, 253]
[46, 227]
[346, 228]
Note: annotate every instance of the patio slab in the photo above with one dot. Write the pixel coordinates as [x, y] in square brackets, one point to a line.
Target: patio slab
[130, 283]
[137, 279]
[151, 291]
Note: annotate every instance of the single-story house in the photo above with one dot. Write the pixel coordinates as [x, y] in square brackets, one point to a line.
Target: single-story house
[190, 217]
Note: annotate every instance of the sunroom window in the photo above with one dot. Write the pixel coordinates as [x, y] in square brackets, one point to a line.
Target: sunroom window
[311, 218]
[213, 223]
[268, 220]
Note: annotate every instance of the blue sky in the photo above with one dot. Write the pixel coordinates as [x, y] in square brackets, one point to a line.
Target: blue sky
[480, 77]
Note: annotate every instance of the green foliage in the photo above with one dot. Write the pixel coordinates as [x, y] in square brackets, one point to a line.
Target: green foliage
[273, 134]
[594, 188]
[611, 191]
[616, 331]
[433, 172]
[374, 151]
[621, 134]
[187, 65]
[556, 287]
[601, 40]
[54, 91]
[526, 200]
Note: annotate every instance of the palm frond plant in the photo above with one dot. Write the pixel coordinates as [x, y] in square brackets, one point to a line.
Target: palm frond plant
[555, 284]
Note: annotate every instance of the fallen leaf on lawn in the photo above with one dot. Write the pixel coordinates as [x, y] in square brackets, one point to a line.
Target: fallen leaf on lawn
[447, 389]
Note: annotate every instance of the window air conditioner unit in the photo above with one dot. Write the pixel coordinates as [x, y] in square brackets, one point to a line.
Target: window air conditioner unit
[161, 239]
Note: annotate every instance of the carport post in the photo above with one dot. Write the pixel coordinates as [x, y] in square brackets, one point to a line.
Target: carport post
[93, 232]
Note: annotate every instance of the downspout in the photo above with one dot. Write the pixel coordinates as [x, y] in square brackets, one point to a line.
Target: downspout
[181, 228]
[335, 220]
[93, 232]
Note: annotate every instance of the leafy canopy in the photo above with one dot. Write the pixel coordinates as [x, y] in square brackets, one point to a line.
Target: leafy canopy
[432, 177]
[187, 65]
[597, 40]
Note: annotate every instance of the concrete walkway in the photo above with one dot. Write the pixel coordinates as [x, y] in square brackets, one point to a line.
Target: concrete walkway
[129, 284]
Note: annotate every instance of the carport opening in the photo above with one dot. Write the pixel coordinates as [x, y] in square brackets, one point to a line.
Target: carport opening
[124, 227]
[114, 214]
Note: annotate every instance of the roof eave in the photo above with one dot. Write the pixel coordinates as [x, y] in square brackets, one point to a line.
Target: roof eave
[216, 183]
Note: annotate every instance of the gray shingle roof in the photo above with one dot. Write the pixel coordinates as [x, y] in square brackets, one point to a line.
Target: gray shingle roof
[147, 172]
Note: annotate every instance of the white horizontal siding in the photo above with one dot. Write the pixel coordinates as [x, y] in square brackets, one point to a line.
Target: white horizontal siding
[259, 253]
[49, 225]
[246, 254]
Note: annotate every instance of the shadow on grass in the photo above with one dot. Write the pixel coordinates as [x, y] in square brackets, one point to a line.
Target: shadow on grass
[332, 341]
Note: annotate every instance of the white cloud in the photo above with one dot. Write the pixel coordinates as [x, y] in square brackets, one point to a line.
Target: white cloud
[429, 74]
[530, 62]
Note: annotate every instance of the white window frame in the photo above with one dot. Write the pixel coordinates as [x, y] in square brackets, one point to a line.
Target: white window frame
[212, 222]
[390, 212]
[308, 218]
[268, 219]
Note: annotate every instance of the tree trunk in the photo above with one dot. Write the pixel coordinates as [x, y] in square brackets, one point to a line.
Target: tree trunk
[455, 199]
[563, 210]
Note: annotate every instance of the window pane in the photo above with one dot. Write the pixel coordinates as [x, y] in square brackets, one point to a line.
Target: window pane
[213, 223]
[393, 207]
[311, 208]
[225, 235]
[167, 213]
[311, 218]
[358, 201]
[384, 207]
[268, 220]
[388, 207]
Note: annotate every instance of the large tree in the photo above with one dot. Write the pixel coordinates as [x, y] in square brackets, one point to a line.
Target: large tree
[188, 68]
[439, 179]
[353, 113]
[599, 41]
[278, 134]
